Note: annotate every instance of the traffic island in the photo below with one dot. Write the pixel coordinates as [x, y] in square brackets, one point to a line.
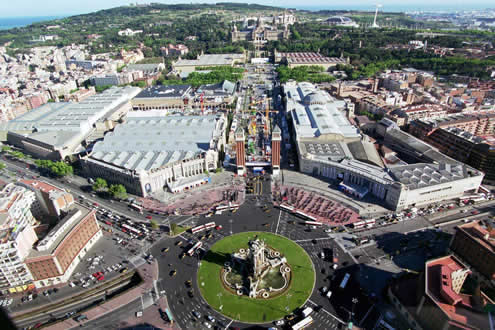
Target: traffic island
[256, 277]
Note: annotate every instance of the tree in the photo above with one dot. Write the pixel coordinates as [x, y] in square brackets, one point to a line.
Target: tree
[154, 224]
[61, 169]
[17, 154]
[6, 148]
[173, 228]
[100, 185]
[117, 191]
[2, 166]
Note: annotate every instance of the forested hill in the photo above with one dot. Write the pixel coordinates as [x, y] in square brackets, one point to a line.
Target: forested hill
[153, 18]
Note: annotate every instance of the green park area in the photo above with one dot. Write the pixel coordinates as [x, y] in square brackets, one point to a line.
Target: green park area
[255, 310]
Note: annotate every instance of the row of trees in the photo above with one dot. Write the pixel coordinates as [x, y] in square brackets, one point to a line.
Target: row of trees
[55, 168]
[313, 73]
[116, 191]
[214, 75]
[368, 53]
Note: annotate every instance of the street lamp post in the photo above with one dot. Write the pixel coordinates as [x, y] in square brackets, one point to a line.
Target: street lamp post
[354, 302]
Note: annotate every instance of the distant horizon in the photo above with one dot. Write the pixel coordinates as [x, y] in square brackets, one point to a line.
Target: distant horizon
[450, 7]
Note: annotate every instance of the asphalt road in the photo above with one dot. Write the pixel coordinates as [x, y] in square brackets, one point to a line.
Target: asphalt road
[257, 214]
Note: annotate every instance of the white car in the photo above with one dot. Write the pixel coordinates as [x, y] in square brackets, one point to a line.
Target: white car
[211, 319]
[208, 325]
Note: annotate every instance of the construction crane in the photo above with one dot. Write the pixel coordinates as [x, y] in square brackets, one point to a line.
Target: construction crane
[267, 114]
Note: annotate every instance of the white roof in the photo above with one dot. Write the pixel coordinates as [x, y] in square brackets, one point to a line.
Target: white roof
[316, 113]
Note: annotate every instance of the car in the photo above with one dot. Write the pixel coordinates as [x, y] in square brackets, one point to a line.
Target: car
[123, 270]
[149, 217]
[100, 278]
[207, 325]
[197, 314]
[190, 293]
[279, 322]
[290, 317]
[80, 318]
[324, 289]
[173, 272]
[178, 243]
[182, 255]
[218, 227]
[188, 283]
[211, 318]
[139, 313]
[165, 249]
[475, 212]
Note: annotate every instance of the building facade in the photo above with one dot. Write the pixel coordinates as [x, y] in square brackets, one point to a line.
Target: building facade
[329, 146]
[17, 237]
[151, 150]
[170, 98]
[474, 244]
[260, 34]
[50, 200]
[56, 256]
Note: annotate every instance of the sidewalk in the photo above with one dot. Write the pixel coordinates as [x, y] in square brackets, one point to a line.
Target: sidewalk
[148, 273]
[151, 316]
[197, 201]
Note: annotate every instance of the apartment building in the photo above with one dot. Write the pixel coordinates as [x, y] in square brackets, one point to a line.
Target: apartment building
[17, 236]
[55, 257]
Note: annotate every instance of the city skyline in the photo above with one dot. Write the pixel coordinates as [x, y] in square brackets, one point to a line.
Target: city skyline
[32, 8]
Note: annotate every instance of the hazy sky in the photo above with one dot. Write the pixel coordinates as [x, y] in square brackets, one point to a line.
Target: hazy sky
[67, 7]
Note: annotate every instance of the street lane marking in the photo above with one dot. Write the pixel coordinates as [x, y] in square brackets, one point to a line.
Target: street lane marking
[310, 239]
[278, 222]
[228, 325]
[323, 309]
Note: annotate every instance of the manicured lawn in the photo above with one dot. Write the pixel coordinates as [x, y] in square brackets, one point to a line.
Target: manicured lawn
[255, 310]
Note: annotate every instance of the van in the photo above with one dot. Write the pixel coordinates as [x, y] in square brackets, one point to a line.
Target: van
[307, 311]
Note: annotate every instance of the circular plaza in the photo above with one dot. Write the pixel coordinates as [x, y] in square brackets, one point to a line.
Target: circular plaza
[255, 277]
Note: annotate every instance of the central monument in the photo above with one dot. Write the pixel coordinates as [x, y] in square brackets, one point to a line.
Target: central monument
[259, 271]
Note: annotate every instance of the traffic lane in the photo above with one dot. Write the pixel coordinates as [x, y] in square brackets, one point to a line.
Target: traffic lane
[66, 183]
[115, 318]
[176, 288]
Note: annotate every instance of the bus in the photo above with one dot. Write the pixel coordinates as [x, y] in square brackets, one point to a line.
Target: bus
[345, 280]
[306, 322]
[194, 248]
[136, 207]
[132, 229]
[209, 225]
[369, 223]
[200, 228]
[197, 229]
[358, 225]
[313, 223]
[305, 216]
[222, 207]
[287, 208]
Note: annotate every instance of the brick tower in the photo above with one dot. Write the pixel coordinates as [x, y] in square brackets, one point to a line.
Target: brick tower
[240, 157]
[276, 138]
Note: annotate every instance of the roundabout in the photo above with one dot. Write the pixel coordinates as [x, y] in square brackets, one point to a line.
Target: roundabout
[255, 277]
